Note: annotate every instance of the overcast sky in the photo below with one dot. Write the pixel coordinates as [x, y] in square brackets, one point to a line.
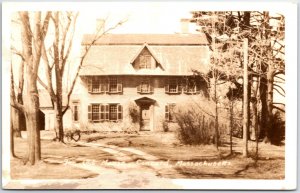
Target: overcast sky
[141, 18]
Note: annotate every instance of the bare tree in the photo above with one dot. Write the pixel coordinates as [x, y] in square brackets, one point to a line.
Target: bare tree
[56, 60]
[33, 34]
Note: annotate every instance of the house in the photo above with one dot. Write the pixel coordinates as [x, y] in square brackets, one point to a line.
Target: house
[134, 81]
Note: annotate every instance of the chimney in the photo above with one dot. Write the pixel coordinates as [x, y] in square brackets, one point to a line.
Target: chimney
[100, 26]
[185, 26]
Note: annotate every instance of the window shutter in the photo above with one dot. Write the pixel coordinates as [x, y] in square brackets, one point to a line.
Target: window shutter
[139, 88]
[106, 112]
[120, 112]
[151, 88]
[167, 88]
[89, 112]
[102, 112]
[106, 85]
[102, 85]
[179, 85]
[185, 86]
[119, 85]
[89, 84]
[167, 112]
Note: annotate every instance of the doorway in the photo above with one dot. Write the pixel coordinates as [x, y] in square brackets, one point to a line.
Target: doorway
[145, 117]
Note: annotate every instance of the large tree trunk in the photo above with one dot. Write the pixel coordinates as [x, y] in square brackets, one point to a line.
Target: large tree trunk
[59, 119]
[31, 104]
[32, 40]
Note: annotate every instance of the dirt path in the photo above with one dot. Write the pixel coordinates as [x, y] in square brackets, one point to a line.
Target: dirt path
[132, 169]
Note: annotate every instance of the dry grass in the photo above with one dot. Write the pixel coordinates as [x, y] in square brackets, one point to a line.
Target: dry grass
[53, 156]
[44, 170]
[270, 165]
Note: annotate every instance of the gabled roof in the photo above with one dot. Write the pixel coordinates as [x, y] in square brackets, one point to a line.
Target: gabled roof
[139, 52]
[150, 39]
[178, 54]
[116, 60]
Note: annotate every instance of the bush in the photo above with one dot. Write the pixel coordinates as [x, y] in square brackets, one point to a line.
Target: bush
[277, 133]
[194, 127]
[134, 113]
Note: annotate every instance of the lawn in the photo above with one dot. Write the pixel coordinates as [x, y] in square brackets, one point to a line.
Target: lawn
[52, 166]
[165, 146]
[197, 161]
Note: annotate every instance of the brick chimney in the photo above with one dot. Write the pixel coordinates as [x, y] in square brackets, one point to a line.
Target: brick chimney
[185, 26]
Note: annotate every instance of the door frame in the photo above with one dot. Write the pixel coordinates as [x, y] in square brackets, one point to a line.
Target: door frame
[146, 101]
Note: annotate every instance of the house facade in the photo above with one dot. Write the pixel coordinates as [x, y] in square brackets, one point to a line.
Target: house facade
[135, 81]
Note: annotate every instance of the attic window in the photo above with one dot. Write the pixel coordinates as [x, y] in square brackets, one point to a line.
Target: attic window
[145, 60]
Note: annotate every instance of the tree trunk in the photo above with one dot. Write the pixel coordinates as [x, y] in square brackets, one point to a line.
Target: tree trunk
[269, 103]
[231, 124]
[255, 124]
[59, 120]
[31, 103]
[216, 113]
[246, 102]
[12, 144]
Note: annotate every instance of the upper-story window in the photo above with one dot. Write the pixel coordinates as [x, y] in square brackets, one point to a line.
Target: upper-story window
[191, 86]
[145, 87]
[173, 86]
[105, 85]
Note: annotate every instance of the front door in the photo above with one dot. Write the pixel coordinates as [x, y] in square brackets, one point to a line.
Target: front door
[145, 117]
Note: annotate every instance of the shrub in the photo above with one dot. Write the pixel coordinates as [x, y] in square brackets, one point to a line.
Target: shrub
[277, 133]
[194, 127]
[134, 113]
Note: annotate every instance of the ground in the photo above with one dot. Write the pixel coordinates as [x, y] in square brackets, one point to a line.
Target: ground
[140, 160]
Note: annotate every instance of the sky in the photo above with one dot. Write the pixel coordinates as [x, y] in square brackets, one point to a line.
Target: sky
[141, 18]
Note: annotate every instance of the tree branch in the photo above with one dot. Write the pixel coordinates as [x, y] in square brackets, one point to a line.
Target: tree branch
[97, 36]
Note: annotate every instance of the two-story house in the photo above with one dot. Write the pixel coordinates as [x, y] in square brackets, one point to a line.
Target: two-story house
[151, 72]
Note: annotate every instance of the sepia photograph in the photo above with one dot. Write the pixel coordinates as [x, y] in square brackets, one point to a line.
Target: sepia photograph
[162, 95]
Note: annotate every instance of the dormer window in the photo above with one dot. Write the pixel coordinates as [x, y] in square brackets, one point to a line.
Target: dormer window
[145, 62]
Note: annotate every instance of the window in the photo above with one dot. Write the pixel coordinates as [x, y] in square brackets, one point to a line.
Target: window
[95, 113]
[113, 112]
[145, 87]
[114, 85]
[173, 86]
[191, 86]
[105, 112]
[75, 112]
[169, 112]
[104, 85]
[145, 61]
[97, 85]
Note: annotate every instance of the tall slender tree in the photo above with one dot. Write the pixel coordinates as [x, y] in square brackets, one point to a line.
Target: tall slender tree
[55, 61]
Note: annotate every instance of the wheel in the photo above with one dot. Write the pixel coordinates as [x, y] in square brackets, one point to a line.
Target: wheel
[76, 136]
[68, 137]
